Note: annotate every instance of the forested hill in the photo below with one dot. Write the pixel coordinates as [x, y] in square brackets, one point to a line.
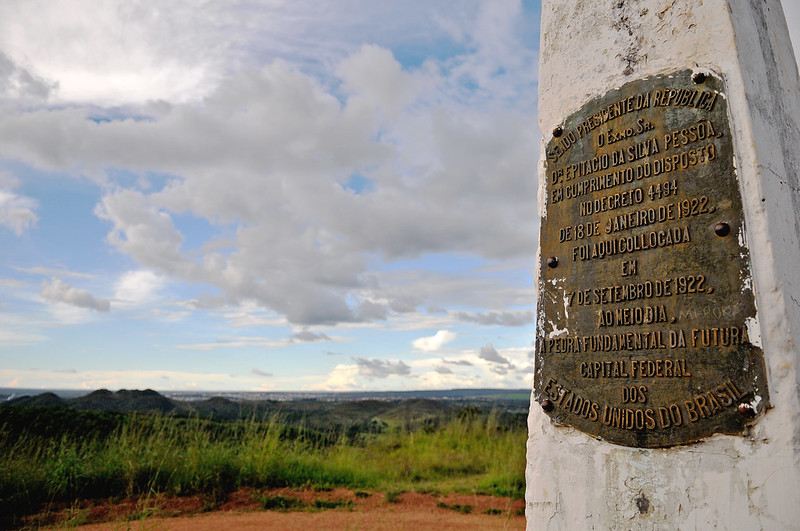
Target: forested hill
[341, 411]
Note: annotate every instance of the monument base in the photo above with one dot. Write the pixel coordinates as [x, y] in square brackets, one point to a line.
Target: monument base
[725, 482]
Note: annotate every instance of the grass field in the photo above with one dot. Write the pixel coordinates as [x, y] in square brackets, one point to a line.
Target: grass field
[62, 455]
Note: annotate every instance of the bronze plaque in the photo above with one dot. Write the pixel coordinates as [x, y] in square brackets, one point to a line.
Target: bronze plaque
[645, 305]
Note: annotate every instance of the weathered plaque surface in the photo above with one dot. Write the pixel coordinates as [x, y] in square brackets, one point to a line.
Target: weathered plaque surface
[645, 308]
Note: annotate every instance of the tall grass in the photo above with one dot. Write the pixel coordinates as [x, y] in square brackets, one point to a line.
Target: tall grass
[150, 454]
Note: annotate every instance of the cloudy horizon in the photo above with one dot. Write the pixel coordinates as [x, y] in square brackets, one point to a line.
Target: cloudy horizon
[268, 196]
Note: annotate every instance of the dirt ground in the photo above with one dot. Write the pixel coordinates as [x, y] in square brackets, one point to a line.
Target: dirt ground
[338, 509]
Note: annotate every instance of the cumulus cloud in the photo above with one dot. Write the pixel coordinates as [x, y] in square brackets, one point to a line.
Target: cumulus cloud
[143, 231]
[405, 303]
[59, 291]
[434, 342]
[308, 336]
[377, 80]
[175, 52]
[135, 288]
[258, 140]
[279, 166]
[82, 53]
[341, 378]
[376, 368]
[259, 372]
[19, 84]
[16, 211]
[369, 311]
[489, 353]
[477, 287]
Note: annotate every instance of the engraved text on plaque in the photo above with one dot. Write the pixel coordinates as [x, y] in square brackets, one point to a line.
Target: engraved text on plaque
[645, 307]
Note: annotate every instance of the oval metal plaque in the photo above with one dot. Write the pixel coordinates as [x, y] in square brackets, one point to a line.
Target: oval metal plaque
[645, 291]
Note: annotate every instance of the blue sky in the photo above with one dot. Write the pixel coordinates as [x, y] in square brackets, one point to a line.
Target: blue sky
[268, 195]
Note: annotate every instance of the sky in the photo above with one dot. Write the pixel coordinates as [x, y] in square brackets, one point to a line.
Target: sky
[268, 195]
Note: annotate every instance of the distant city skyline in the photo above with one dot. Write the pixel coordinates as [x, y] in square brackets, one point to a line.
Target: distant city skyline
[269, 196]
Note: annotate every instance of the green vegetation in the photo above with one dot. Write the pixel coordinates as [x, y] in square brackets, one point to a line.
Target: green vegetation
[281, 503]
[463, 509]
[393, 496]
[55, 454]
[333, 504]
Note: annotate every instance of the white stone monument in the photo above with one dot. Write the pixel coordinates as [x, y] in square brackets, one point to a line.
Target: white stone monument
[667, 376]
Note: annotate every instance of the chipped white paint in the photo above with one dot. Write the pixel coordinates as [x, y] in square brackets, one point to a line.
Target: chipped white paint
[753, 331]
[556, 332]
[723, 482]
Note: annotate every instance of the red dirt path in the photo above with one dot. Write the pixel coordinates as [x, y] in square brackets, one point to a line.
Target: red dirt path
[242, 510]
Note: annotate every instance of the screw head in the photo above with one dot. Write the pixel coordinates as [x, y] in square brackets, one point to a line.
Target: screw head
[746, 410]
[557, 131]
[552, 262]
[699, 77]
[722, 229]
[547, 406]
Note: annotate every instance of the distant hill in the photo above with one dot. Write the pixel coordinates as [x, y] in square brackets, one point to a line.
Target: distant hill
[44, 399]
[122, 401]
[125, 401]
[406, 410]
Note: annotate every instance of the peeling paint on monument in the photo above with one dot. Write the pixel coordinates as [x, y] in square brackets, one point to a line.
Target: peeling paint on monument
[645, 293]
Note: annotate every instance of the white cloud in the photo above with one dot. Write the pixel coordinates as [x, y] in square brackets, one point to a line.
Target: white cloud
[490, 354]
[377, 80]
[376, 368]
[341, 378]
[487, 366]
[58, 291]
[16, 211]
[20, 84]
[106, 51]
[123, 52]
[284, 165]
[309, 336]
[437, 380]
[434, 342]
[143, 231]
[265, 160]
[63, 313]
[135, 288]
